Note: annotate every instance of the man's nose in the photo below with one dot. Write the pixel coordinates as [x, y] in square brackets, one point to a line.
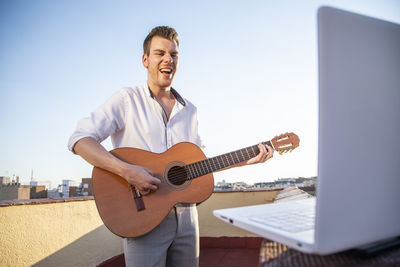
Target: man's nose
[168, 58]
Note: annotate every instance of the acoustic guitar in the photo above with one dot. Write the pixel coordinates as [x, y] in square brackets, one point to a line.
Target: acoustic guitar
[186, 177]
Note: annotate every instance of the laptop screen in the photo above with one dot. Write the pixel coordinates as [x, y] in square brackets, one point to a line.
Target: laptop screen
[359, 128]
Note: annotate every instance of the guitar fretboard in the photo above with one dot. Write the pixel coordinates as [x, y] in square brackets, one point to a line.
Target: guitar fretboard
[210, 165]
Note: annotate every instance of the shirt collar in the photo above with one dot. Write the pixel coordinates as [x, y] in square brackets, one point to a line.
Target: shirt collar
[176, 95]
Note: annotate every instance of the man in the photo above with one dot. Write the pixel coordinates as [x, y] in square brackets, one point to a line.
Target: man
[153, 117]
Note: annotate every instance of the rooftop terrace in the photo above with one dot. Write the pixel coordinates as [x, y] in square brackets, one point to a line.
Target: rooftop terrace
[69, 232]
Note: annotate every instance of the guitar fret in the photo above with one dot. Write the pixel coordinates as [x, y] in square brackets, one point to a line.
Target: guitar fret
[214, 161]
[243, 158]
[226, 163]
[219, 166]
[196, 169]
[202, 171]
[214, 168]
[237, 157]
[233, 158]
[241, 151]
[207, 165]
[189, 171]
[248, 155]
[220, 162]
[201, 168]
[231, 162]
[255, 150]
[227, 160]
[254, 153]
[211, 166]
[193, 170]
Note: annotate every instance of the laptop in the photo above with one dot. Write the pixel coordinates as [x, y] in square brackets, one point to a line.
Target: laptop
[358, 185]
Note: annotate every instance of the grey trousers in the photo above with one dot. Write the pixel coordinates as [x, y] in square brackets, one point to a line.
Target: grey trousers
[175, 242]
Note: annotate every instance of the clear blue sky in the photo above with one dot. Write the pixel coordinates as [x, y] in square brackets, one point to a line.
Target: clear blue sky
[249, 66]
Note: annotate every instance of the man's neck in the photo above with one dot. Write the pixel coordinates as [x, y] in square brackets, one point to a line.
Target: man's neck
[165, 97]
[161, 92]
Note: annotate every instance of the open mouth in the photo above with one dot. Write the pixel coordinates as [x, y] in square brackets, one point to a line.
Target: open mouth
[166, 71]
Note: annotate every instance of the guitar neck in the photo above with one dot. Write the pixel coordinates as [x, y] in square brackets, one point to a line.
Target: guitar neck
[217, 163]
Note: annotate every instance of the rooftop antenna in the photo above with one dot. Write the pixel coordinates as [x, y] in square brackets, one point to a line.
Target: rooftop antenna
[31, 177]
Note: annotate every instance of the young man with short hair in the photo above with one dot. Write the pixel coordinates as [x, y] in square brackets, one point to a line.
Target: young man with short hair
[153, 117]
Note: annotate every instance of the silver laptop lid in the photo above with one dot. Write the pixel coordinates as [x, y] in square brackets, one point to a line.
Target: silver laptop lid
[359, 130]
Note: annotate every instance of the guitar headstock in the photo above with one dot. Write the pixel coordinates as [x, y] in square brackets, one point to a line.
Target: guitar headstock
[285, 142]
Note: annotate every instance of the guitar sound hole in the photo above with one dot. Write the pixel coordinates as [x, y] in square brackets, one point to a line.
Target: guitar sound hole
[177, 175]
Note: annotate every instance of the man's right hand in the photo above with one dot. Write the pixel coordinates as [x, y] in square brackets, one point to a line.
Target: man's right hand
[98, 156]
[140, 177]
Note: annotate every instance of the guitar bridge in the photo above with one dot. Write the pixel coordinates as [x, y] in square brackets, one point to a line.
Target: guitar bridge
[138, 198]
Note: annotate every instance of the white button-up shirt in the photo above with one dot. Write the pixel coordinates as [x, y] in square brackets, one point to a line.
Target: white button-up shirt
[133, 118]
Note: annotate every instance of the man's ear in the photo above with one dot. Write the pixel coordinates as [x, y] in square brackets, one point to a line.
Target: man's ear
[144, 60]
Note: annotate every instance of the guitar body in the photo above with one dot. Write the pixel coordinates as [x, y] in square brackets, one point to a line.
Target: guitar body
[186, 177]
[115, 199]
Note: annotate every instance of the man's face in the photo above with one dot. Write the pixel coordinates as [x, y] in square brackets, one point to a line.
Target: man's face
[161, 63]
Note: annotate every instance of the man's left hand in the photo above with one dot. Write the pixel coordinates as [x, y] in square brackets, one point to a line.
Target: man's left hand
[266, 152]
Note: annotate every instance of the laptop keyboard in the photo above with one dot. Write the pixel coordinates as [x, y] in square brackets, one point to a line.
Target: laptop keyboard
[293, 221]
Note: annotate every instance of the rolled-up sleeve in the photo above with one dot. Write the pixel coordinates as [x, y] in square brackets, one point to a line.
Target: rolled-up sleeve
[103, 122]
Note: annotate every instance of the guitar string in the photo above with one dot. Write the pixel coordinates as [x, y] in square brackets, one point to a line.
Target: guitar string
[181, 175]
[207, 164]
[205, 167]
[177, 175]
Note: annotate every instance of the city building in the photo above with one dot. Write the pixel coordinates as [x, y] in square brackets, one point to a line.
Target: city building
[87, 187]
[53, 193]
[74, 191]
[4, 180]
[66, 184]
[38, 191]
[14, 192]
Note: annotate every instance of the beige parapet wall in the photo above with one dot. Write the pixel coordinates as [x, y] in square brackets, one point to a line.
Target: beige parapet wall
[56, 234]
[72, 233]
[210, 226]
